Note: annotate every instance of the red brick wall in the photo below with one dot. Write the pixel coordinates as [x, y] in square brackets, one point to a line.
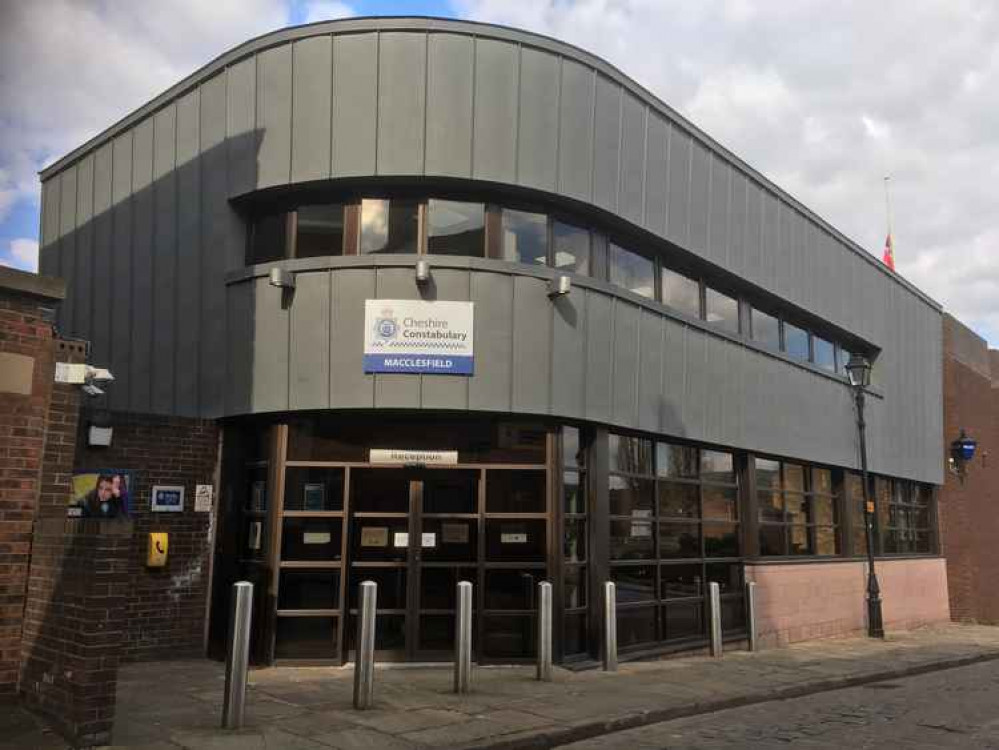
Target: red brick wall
[969, 511]
[165, 607]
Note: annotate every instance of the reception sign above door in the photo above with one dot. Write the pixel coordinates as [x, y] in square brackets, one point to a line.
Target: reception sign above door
[418, 337]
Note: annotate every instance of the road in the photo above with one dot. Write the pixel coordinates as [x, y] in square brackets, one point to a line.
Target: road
[954, 708]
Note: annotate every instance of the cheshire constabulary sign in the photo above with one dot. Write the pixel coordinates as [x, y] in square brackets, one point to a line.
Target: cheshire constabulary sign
[417, 337]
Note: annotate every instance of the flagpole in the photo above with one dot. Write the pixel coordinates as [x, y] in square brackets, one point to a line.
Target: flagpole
[888, 202]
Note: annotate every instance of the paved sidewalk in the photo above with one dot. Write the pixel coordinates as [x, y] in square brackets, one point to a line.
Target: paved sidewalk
[170, 705]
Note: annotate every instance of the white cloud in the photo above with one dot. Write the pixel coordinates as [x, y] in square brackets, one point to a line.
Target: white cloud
[825, 99]
[324, 10]
[24, 253]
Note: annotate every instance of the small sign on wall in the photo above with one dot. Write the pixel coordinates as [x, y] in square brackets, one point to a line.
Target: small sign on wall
[167, 499]
[203, 498]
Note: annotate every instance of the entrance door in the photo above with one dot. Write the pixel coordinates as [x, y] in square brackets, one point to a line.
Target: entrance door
[415, 532]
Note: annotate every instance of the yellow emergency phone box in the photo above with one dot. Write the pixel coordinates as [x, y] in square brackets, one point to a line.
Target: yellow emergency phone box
[157, 556]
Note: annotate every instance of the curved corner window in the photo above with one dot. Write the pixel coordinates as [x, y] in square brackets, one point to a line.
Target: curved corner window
[455, 228]
[634, 272]
[525, 237]
[571, 248]
[319, 230]
[389, 226]
[268, 238]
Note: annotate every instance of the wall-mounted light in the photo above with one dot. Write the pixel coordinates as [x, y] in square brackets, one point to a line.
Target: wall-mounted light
[559, 286]
[422, 271]
[281, 278]
[962, 451]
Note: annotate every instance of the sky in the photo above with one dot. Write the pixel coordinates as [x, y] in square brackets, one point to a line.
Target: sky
[824, 98]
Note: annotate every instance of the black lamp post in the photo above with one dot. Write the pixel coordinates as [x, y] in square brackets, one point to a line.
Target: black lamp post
[859, 371]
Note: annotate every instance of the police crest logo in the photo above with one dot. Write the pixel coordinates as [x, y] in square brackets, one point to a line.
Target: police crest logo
[386, 326]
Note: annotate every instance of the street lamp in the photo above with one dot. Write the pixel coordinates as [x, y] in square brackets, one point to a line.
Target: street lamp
[859, 371]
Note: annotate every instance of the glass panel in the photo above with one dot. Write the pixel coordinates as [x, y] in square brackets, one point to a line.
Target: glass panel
[683, 620]
[825, 540]
[822, 481]
[509, 491]
[634, 583]
[800, 542]
[676, 461]
[681, 581]
[455, 228]
[631, 496]
[450, 540]
[389, 226]
[313, 489]
[770, 506]
[320, 231]
[575, 541]
[515, 540]
[439, 586]
[525, 237]
[512, 589]
[634, 272]
[721, 310]
[437, 632]
[796, 341]
[922, 542]
[379, 491]
[728, 576]
[572, 455]
[572, 248]
[598, 256]
[678, 500]
[631, 540]
[771, 539]
[391, 586]
[509, 636]
[451, 491]
[311, 539]
[794, 478]
[305, 638]
[843, 356]
[860, 539]
[575, 586]
[717, 466]
[575, 634]
[390, 632]
[824, 354]
[766, 329]
[682, 293]
[309, 589]
[679, 540]
[767, 473]
[721, 540]
[636, 627]
[796, 508]
[823, 511]
[268, 239]
[574, 494]
[630, 455]
[733, 614]
[721, 503]
[379, 539]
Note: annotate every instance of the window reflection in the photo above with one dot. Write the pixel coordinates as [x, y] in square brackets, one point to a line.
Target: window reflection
[320, 231]
[632, 271]
[681, 292]
[571, 248]
[824, 353]
[721, 310]
[389, 226]
[766, 329]
[796, 341]
[268, 238]
[525, 237]
[455, 228]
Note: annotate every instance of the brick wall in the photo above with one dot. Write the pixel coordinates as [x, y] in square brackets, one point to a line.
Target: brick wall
[165, 607]
[969, 510]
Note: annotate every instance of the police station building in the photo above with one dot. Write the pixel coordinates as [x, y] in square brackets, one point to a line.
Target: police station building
[468, 303]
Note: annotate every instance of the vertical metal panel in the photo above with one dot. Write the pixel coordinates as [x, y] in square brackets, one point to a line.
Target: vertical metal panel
[491, 388]
[50, 209]
[83, 277]
[494, 138]
[187, 291]
[273, 125]
[121, 268]
[606, 143]
[769, 251]
[164, 259]
[142, 267]
[695, 391]
[401, 103]
[716, 381]
[269, 387]
[216, 233]
[631, 199]
[67, 246]
[599, 356]
[568, 355]
[678, 219]
[239, 87]
[448, 391]
[450, 71]
[537, 145]
[355, 104]
[674, 371]
[656, 175]
[624, 383]
[737, 223]
[240, 308]
[532, 331]
[309, 343]
[753, 232]
[699, 197]
[721, 211]
[784, 249]
[312, 101]
[102, 283]
[396, 391]
[349, 386]
[575, 130]
[650, 372]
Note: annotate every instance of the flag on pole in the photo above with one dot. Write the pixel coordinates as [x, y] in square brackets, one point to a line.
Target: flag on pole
[889, 254]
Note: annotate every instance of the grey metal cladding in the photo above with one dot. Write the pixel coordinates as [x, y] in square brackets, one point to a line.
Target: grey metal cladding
[537, 127]
[606, 144]
[401, 103]
[355, 104]
[273, 122]
[575, 130]
[312, 102]
[140, 361]
[446, 391]
[494, 132]
[163, 324]
[450, 76]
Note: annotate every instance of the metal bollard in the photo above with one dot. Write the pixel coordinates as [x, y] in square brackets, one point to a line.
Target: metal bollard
[364, 648]
[237, 655]
[610, 627]
[714, 614]
[544, 631]
[751, 615]
[463, 639]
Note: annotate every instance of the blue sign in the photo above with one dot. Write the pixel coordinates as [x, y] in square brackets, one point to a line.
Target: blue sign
[167, 499]
[418, 338]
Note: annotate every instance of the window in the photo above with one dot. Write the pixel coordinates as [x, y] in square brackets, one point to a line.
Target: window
[389, 226]
[824, 353]
[907, 529]
[797, 507]
[853, 492]
[842, 358]
[525, 237]
[571, 248]
[796, 341]
[455, 228]
[268, 238]
[766, 329]
[681, 292]
[721, 310]
[319, 231]
[634, 272]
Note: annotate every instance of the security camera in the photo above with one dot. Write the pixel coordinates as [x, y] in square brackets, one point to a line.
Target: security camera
[98, 375]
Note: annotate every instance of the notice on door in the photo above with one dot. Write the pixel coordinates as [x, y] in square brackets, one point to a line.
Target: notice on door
[316, 537]
[454, 533]
[513, 538]
[428, 540]
[401, 539]
[374, 536]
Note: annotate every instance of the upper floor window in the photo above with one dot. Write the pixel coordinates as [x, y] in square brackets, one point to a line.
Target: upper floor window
[681, 292]
[455, 228]
[634, 272]
[389, 226]
[571, 246]
[268, 238]
[824, 353]
[796, 341]
[319, 230]
[721, 310]
[525, 237]
[766, 329]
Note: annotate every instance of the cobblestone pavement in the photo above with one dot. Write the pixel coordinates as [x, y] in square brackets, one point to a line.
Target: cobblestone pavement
[955, 708]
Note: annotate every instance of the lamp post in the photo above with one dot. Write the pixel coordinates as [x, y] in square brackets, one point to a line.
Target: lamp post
[859, 371]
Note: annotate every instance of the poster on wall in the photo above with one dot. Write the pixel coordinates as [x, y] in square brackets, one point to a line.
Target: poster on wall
[167, 499]
[101, 493]
[418, 337]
